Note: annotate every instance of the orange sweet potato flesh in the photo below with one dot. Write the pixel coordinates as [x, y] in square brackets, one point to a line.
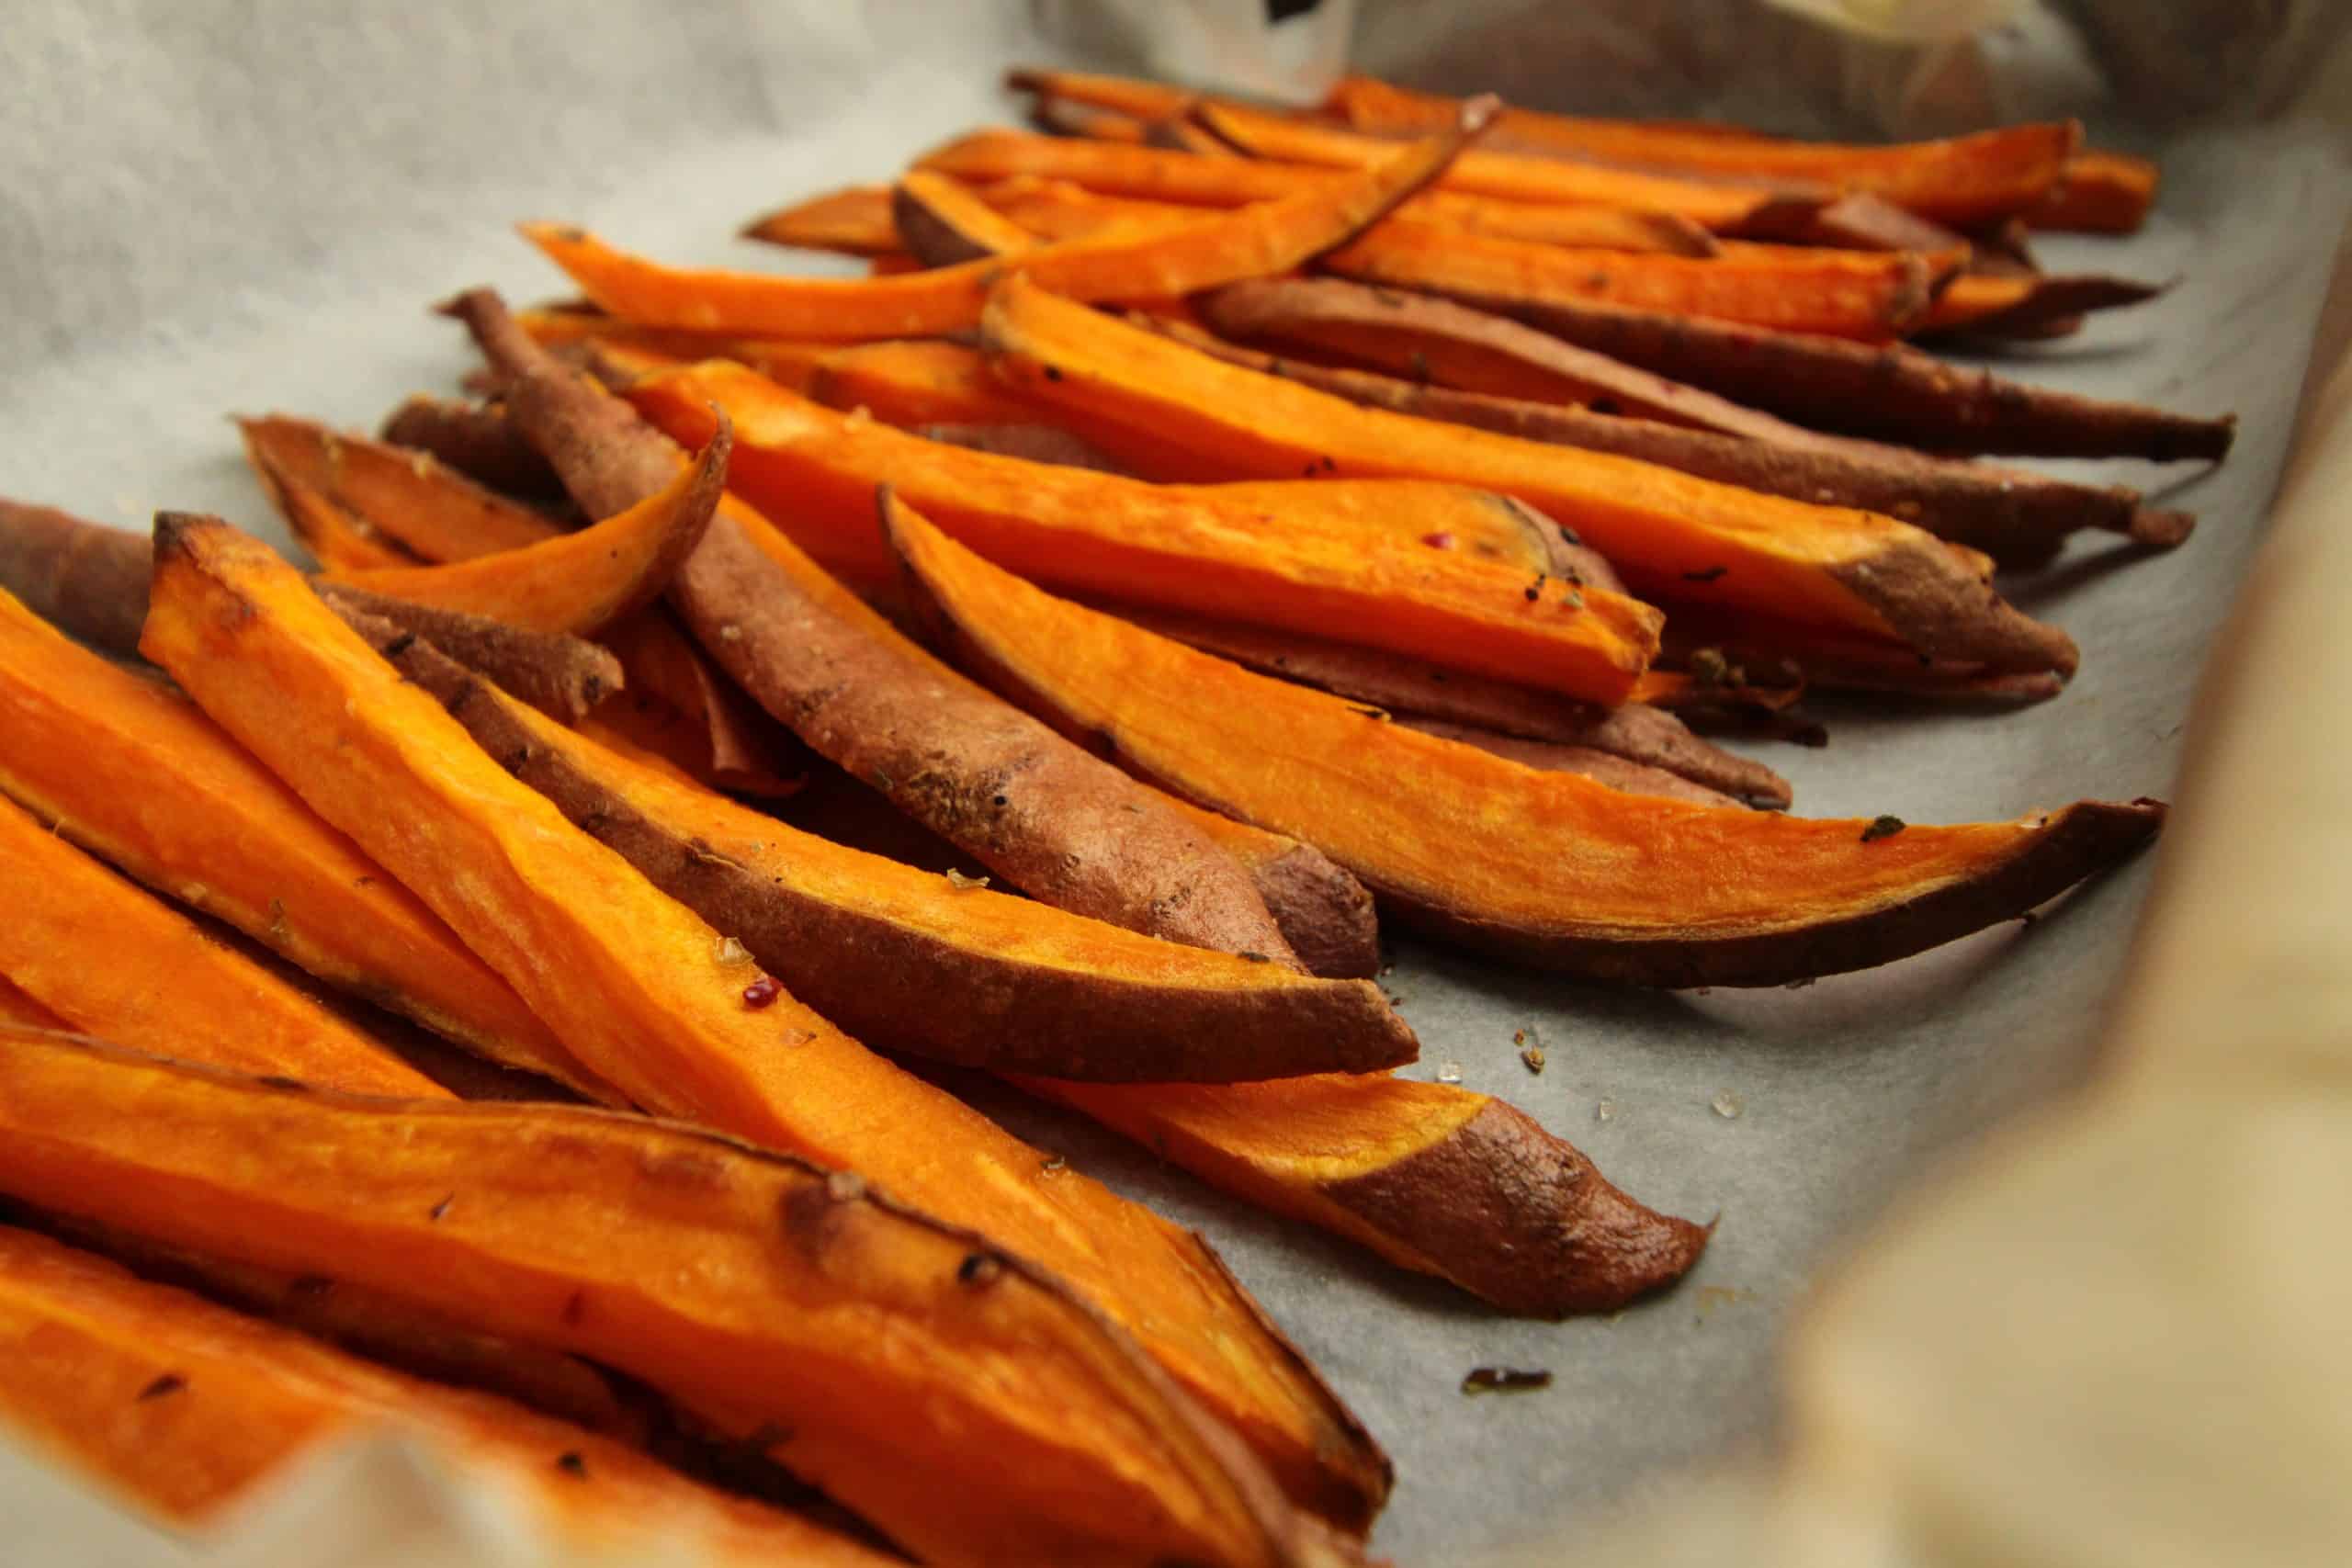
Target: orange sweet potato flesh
[190, 1409]
[16, 1008]
[942, 221]
[914, 383]
[1100, 534]
[1960, 180]
[975, 1413]
[1997, 305]
[338, 540]
[407, 496]
[2100, 193]
[1009, 984]
[1674, 538]
[577, 582]
[1549, 869]
[1587, 761]
[1868, 295]
[110, 959]
[131, 772]
[636, 986]
[854, 220]
[1272, 237]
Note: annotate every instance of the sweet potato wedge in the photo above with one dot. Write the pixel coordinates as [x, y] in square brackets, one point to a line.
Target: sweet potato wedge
[190, 1409]
[1495, 374]
[1676, 539]
[563, 677]
[1889, 392]
[1552, 757]
[1996, 306]
[2100, 193]
[1722, 206]
[942, 221]
[1034, 442]
[711, 726]
[108, 959]
[1135, 98]
[1960, 180]
[1431, 1177]
[975, 1412]
[1010, 985]
[855, 220]
[1271, 237]
[407, 496]
[577, 582]
[1633, 732]
[1457, 519]
[1325, 914]
[338, 540]
[1868, 295]
[477, 440]
[640, 990]
[1099, 533]
[1546, 868]
[131, 772]
[1059, 116]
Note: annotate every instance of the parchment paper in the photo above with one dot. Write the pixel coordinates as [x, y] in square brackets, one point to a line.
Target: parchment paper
[237, 208]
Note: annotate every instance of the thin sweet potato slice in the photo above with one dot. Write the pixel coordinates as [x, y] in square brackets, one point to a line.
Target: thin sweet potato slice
[1960, 180]
[1009, 984]
[1431, 1177]
[131, 772]
[855, 220]
[1099, 533]
[476, 439]
[1477, 523]
[913, 383]
[1552, 757]
[577, 582]
[2009, 305]
[1271, 237]
[1676, 539]
[1059, 116]
[1034, 442]
[1889, 392]
[1868, 295]
[2100, 193]
[110, 959]
[339, 540]
[942, 221]
[1546, 868]
[640, 990]
[407, 496]
[1492, 373]
[1633, 732]
[975, 1412]
[563, 677]
[191, 1409]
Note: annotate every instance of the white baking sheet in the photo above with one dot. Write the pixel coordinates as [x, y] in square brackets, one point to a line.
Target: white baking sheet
[213, 207]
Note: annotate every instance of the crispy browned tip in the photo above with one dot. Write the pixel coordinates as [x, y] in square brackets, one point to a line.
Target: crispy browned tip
[2161, 528]
[1945, 615]
[1524, 1220]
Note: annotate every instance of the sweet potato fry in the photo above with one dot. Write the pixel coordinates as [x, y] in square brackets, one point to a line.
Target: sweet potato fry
[915, 382]
[942, 221]
[2000, 306]
[1633, 732]
[1431, 1177]
[1546, 868]
[700, 720]
[639, 987]
[854, 220]
[1031, 443]
[1869, 295]
[1551, 757]
[974, 1412]
[1888, 391]
[108, 959]
[131, 772]
[1325, 914]
[1960, 180]
[477, 440]
[406, 496]
[1010, 985]
[1271, 237]
[1139, 100]
[577, 582]
[563, 677]
[1479, 523]
[1675, 538]
[337, 540]
[1720, 205]
[1059, 116]
[1525, 383]
[2100, 193]
[191, 1409]
[1097, 533]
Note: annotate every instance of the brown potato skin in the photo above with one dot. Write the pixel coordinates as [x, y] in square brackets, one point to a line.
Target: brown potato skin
[87, 581]
[476, 439]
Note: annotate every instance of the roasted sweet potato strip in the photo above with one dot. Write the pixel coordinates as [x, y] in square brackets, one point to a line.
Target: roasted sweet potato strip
[2102, 193]
[477, 440]
[339, 540]
[1633, 732]
[1511, 176]
[563, 677]
[1675, 538]
[712, 728]
[640, 988]
[1034, 442]
[83, 1347]
[2016, 515]
[407, 496]
[1271, 237]
[854, 220]
[942, 221]
[1453, 518]
[1139, 100]
[2008, 305]
[107, 958]
[131, 772]
[1551, 757]
[1960, 180]
[1889, 392]
[577, 582]
[1010, 985]
[973, 1420]
[1546, 868]
[1868, 295]
[1325, 914]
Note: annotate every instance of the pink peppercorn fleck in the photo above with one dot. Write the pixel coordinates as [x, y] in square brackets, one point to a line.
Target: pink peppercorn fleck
[762, 992]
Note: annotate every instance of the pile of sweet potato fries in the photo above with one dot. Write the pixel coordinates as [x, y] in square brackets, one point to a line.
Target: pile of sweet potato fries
[1212, 533]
